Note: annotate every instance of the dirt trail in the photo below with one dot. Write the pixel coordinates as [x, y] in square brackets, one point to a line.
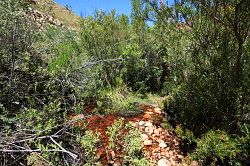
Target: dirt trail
[160, 146]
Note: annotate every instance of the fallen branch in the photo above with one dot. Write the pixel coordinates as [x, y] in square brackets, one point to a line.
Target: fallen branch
[30, 139]
[11, 147]
[30, 150]
[64, 150]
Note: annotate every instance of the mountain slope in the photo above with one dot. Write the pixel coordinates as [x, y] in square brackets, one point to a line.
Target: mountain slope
[59, 12]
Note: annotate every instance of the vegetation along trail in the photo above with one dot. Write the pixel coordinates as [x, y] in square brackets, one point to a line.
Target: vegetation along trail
[165, 85]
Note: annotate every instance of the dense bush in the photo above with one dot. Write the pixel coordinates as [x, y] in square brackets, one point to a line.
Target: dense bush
[215, 84]
[123, 52]
[209, 75]
[19, 61]
[32, 101]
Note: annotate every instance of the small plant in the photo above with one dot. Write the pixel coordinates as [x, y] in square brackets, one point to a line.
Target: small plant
[133, 141]
[113, 133]
[140, 162]
[35, 159]
[243, 143]
[68, 7]
[118, 101]
[215, 146]
[89, 142]
[156, 99]
[188, 141]
[40, 120]
[166, 125]
[133, 147]
[184, 133]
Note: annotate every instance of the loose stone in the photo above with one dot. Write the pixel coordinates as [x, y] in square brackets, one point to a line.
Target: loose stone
[150, 113]
[148, 124]
[157, 110]
[147, 116]
[162, 162]
[144, 137]
[147, 142]
[157, 131]
[141, 123]
[163, 145]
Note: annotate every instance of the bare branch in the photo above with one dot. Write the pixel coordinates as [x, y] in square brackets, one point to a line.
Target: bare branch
[74, 156]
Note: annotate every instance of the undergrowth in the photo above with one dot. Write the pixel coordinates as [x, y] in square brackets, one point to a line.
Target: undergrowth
[195, 56]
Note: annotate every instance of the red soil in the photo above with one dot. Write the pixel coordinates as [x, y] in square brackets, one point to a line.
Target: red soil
[101, 123]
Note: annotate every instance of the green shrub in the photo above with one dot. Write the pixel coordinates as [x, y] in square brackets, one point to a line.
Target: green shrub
[243, 142]
[33, 103]
[89, 142]
[188, 140]
[132, 147]
[132, 141]
[211, 87]
[214, 147]
[245, 139]
[123, 51]
[43, 120]
[66, 54]
[20, 65]
[114, 132]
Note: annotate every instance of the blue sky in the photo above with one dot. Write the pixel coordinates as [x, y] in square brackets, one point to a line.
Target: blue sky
[87, 7]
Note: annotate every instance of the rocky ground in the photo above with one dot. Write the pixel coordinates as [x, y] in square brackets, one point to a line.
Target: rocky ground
[43, 19]
[160, 146]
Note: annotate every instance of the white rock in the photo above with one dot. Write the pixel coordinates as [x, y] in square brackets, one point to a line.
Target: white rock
[162, 145]
[112, 154]
[157, 110]
[148, 124]
[147, 143]
[162, 162]
[159, 140]
[151, 130]
[50, 19]
[141, 123]
[194, 163]
[157, 131]
[180, 157]
[150, 113]
[144, 137]
[135, 124]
